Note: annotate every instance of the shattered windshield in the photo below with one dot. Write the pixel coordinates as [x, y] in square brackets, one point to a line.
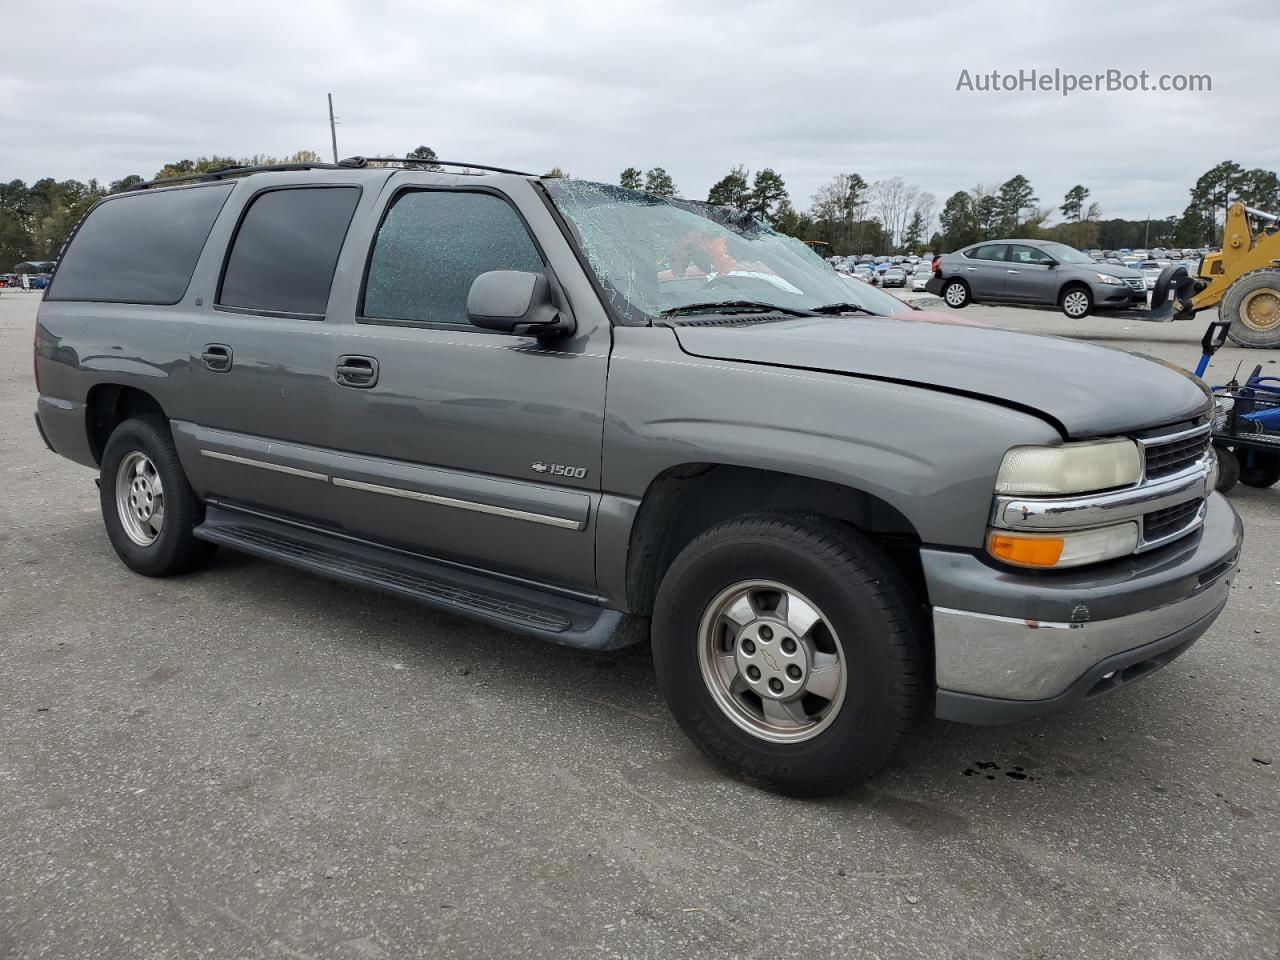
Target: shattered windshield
[659, 256]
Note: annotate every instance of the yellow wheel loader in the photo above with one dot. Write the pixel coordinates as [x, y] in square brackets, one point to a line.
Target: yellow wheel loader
[1242, 281]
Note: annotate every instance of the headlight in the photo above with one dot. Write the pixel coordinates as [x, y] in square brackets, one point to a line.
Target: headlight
[1069, 468]
[1058, 550]
[1108, 278]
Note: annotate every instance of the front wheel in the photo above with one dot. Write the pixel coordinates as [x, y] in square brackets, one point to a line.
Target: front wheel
[1076, 302]
[956, 294]
[148, 506]
[1252, 304]
[786, 648]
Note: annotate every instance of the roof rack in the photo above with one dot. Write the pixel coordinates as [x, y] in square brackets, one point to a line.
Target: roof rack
[421, 162]
[219, 173]
[348, 163]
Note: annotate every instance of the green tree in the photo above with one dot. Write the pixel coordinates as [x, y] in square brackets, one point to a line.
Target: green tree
[839, 216]
[557, 173]
[787, 219]
[658, 181]
[1073, 203]
[1259, 189]
[1015, 197]
[426, 155]
[631, 178]
[913, 235]
[986, 213]
[731, 190]
[958, 221]
[124, 183]
[767, 191]
[1215, 189]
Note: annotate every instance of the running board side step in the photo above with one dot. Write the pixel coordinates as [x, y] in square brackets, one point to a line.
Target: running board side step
[515, 607]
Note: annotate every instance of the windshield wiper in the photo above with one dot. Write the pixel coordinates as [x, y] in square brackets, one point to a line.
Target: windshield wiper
[735, 306]
[845, 308]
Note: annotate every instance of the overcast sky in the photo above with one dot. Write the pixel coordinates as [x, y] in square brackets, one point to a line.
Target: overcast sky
[89, 89]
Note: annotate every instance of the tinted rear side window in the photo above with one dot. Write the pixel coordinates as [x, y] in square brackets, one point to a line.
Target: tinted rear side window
[430, 247]
[283, 256]
[140, 247]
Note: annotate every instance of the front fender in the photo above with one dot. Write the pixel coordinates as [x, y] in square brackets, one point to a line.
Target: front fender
[933, 456]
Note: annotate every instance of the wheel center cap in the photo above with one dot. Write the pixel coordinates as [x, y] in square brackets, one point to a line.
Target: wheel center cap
[771, 661]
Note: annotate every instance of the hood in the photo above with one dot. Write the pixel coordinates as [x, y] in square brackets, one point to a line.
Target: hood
[1111, 270]
[1085, 390]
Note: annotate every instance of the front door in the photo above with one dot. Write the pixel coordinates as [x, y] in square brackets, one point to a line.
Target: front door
[468, 445]
[1030, 275]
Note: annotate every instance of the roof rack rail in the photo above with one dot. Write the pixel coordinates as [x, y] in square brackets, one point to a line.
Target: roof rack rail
[419, 161]
[219, 173]
[348, 163]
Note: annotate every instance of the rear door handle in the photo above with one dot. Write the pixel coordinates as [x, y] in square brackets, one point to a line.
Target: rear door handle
[354, 371]
[217, 357]
[1013, 271]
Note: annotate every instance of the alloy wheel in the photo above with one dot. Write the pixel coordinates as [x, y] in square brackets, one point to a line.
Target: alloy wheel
[772, 661]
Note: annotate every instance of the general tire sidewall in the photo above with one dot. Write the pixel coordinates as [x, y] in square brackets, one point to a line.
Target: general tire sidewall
[869, 718]
[1233, 299]
[166, 554]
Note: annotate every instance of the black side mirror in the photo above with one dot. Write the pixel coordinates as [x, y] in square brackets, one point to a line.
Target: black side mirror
[515, 301]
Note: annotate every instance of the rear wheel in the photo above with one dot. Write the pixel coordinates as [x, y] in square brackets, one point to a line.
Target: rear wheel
[1252, 304]
[148, 506]
[955, 293]
[1076, 302]
[1258, 468]
[786, 649]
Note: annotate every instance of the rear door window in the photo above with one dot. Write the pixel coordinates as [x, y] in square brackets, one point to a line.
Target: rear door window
[286, 248]
[988, 251]
[139, 247]
[432, 245]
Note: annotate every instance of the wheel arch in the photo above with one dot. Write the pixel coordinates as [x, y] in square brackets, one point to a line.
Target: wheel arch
[684, 500]
[110, 404]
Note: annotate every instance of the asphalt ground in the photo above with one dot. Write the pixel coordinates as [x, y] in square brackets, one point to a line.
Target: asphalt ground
[254, 762]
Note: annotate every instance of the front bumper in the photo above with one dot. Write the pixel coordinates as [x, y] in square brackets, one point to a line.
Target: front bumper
[1010, 644]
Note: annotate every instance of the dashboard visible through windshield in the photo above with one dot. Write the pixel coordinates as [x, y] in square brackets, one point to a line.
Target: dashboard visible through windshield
[656, 256]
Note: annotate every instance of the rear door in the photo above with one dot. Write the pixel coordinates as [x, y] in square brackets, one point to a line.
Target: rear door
[1029, 275]
[468, 445]
[260, 354]
[983, 268]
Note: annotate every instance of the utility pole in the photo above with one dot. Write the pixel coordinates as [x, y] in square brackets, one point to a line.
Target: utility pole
[333, 129]
[1146, 242]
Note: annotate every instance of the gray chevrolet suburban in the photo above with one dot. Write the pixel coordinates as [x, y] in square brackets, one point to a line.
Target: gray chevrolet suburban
[595, 416]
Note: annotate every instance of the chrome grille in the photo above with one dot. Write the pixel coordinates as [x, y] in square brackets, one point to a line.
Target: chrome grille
[1165, 458]
[1136, 283]
[1168, 523]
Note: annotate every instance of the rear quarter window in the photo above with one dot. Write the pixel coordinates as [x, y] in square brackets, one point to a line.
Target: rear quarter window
[139, 247]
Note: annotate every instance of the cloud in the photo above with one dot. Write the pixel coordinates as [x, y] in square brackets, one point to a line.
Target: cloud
[809, 89]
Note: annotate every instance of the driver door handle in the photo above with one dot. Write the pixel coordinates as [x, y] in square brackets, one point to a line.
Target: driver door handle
[356, 371]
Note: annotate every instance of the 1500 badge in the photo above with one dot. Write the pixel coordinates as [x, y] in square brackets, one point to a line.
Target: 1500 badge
[559, 470]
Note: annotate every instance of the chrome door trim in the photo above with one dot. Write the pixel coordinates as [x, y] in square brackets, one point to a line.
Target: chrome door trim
[264, 465]
[471, 505]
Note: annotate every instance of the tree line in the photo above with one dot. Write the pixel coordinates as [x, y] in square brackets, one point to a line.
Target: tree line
[892, 216]
[847, 213]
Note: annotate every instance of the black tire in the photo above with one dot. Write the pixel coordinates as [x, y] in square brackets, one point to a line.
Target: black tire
[1233, 306]
[956, 293]
[174, 550]
[1228, 468]
[1067, 299]
[1258, 468]
[866, 600]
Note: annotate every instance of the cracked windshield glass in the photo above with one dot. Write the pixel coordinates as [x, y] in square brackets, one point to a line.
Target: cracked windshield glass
[661, 256]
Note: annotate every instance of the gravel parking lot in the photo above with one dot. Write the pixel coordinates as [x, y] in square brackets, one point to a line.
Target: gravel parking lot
[253, 762]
